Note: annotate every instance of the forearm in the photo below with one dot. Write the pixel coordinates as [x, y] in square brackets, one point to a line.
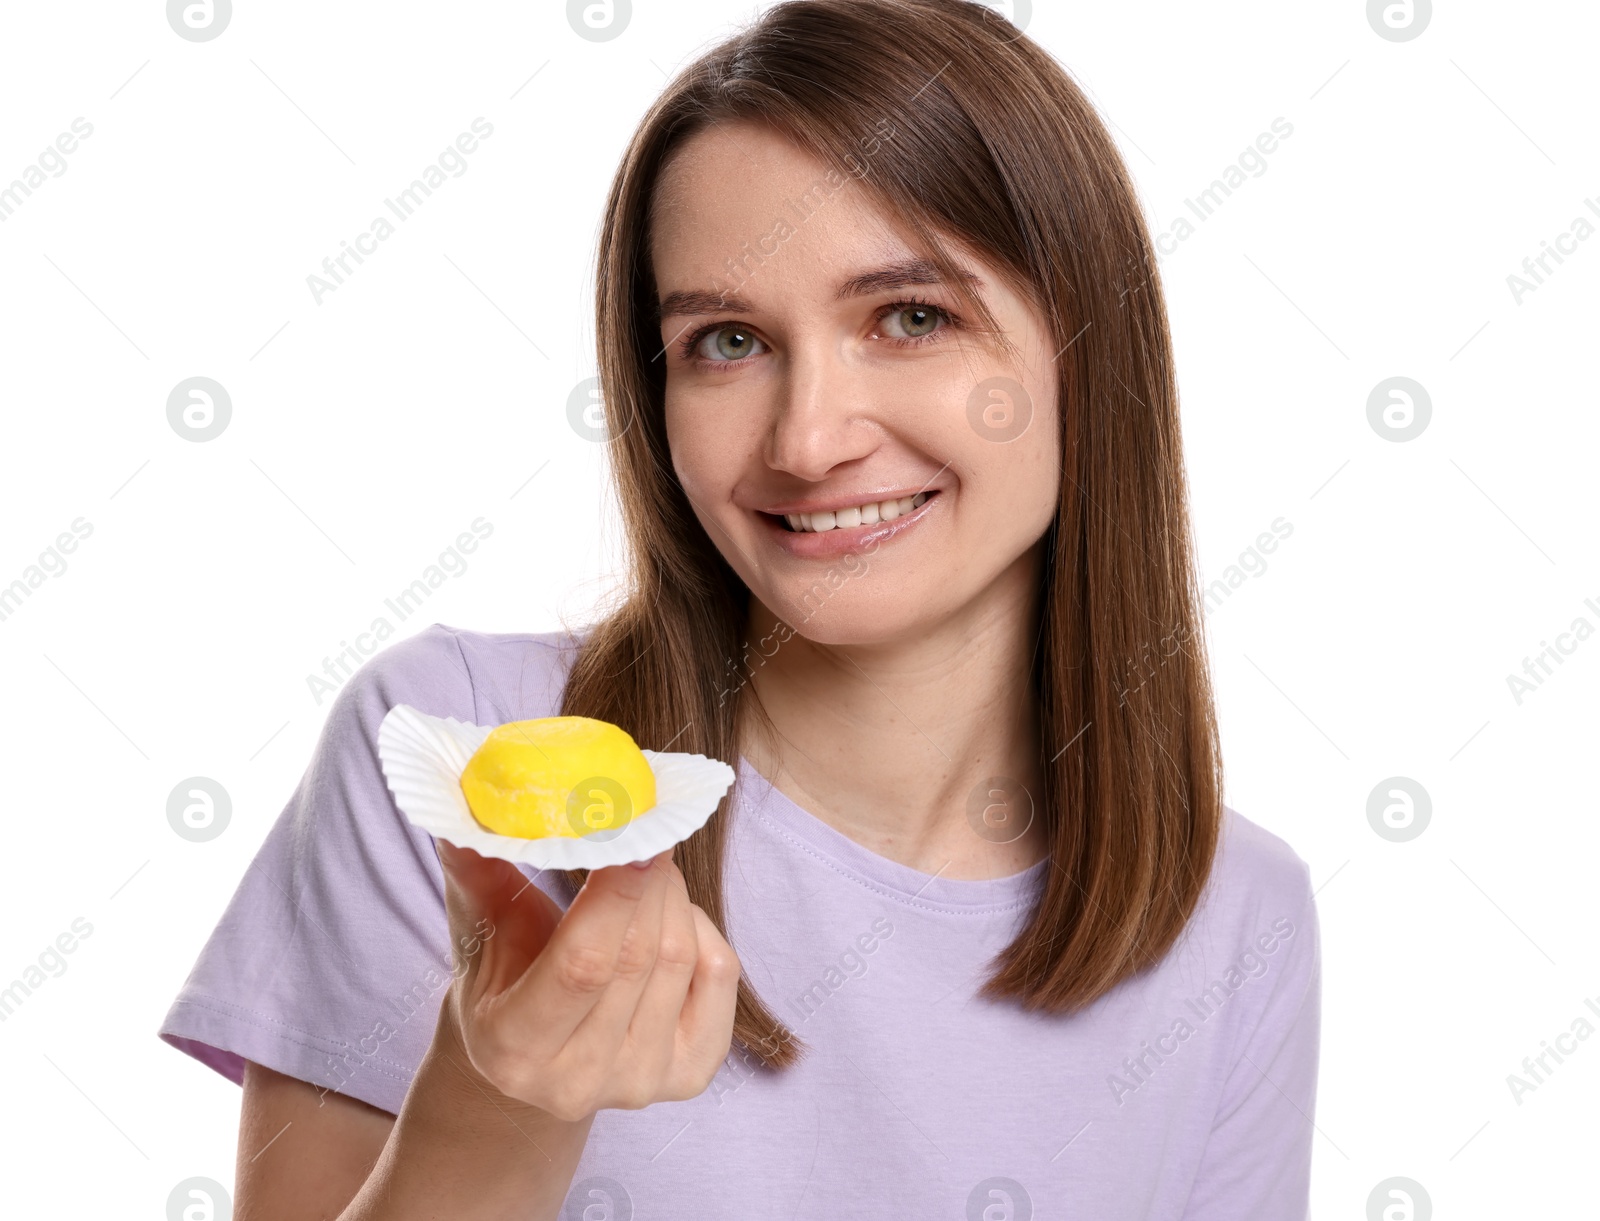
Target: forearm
[464, 1151]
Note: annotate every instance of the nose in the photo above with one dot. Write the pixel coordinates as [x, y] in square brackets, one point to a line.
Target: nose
[821, 417]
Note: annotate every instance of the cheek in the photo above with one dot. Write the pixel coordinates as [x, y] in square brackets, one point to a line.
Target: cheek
[710, 440]
[689, 444]
[1020, 478]
[1041, 461]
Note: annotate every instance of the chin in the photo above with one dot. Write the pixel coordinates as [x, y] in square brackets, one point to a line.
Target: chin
[861, 622]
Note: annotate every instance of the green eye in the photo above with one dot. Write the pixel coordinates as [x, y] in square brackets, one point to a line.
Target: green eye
[918, 320]
[732, 343]
[909, 320]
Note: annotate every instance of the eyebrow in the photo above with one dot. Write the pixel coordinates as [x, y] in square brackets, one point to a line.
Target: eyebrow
[902, 274]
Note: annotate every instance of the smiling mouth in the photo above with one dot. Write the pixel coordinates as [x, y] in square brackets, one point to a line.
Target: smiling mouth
[877, 513]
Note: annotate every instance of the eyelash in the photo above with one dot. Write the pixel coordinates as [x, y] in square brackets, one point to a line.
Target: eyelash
[686, 347]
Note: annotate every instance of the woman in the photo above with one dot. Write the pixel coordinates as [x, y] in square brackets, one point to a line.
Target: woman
[892, 408]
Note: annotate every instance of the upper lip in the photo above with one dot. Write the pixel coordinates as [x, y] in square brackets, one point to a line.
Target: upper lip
[832, 504]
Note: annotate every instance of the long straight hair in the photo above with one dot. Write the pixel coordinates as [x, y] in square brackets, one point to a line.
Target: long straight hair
[959, 126]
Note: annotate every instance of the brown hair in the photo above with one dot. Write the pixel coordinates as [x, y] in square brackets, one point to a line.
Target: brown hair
[967, 129]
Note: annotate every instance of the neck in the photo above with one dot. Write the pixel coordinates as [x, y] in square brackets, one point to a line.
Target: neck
[891, 741]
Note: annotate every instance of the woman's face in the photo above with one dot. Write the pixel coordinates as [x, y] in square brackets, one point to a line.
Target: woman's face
[806, 377]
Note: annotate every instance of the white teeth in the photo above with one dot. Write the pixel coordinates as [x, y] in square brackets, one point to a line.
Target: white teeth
[856, 515]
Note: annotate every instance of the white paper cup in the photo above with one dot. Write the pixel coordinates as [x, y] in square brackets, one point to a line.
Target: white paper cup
[423, 757]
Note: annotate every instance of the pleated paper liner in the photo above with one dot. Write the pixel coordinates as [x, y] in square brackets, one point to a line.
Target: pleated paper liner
[423, 757]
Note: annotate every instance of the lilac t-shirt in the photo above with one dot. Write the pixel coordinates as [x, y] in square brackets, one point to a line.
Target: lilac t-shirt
[1185, 1093]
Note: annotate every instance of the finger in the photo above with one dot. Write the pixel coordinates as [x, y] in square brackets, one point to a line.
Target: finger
[705, 1026]
[653, 1032]
[566, 981]
[602, 1036]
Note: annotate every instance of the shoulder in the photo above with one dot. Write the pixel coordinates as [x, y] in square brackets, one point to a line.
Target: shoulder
[483, 677]
[1253, 861]
[1259, 890]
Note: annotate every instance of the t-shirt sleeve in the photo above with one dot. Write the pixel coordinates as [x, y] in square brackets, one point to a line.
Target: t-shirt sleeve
[333, 956]
[1257, 1159]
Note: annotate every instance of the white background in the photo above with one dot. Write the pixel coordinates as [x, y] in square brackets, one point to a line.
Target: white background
[372, 428]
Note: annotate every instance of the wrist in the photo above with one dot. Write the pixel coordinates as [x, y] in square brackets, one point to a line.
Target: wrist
[457, 1086]
[461, 1148]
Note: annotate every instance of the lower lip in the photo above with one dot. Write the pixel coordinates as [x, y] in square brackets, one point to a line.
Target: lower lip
[831, 544]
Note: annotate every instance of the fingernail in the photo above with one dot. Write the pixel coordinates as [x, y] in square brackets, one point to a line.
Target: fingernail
[644, 864]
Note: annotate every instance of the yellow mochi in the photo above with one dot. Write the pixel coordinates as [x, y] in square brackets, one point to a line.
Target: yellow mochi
[522, 780]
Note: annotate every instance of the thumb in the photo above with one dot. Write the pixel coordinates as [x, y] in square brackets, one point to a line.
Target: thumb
[468, 881]
[499, 920]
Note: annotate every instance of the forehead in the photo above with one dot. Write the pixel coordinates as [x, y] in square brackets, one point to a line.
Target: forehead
[729, 152]
[738, 198]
